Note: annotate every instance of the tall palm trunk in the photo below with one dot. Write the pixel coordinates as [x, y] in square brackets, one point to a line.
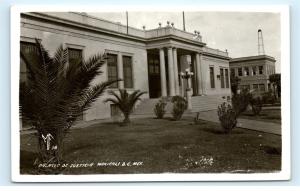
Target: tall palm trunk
[51, 148]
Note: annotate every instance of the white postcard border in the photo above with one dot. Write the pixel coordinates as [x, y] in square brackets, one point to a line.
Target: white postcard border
[284, 174]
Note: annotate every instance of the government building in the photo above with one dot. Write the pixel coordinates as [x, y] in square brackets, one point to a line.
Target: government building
[254, 72]
[148, 60]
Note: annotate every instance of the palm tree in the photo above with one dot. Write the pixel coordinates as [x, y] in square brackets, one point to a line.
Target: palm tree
[275, 80]
[125, 101]
[55, 93]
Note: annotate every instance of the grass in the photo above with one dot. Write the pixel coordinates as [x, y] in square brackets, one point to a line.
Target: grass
[266, 115]
[163, 146]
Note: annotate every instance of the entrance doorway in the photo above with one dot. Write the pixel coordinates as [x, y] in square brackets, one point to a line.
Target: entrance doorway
[154, 76]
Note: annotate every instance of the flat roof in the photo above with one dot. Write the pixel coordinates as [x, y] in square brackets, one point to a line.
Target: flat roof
[252, 58]
[101, 25]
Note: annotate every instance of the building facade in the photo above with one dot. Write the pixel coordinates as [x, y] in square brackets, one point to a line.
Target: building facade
[254, 72]
[146, 60]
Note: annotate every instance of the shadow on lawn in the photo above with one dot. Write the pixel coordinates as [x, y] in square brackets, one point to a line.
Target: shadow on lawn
[26, 165]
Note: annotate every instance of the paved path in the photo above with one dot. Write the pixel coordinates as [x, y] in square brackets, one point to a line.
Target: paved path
[267, 127]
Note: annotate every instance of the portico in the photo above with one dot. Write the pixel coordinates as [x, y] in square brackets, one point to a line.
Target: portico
[172, 61]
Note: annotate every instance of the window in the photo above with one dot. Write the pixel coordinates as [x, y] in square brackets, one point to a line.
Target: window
[222, 77]
[212, 77]
[260, 69]
[232, 72]
[75, 55]
[246, 71]
[115, 111]
[254, 70]
[112, 69]
[226, 78]
[30, 52]
[262, 87]
[255, 87]
[127, 71]
[240, 72]
[154, 66]
[245, 87]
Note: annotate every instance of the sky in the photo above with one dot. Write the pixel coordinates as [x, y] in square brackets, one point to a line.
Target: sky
[234, 31]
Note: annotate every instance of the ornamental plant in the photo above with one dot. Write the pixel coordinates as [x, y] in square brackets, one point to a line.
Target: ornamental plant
[256, 105]
[241, 101]
[227, 117]
[54, 94]
[125, 101]
[159, 108]
[179, 106]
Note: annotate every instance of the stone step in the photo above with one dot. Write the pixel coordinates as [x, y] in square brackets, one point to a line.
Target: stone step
[199, 103]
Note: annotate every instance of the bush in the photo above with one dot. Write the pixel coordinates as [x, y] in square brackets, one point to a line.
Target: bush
[268, 98]
[227, 117]
[159, 108]
[179, 106]
[256, 104]
[241, 101]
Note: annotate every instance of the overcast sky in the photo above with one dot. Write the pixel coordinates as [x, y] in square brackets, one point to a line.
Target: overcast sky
[234, 31]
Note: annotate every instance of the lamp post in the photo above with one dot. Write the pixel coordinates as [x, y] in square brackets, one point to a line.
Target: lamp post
[187, 75]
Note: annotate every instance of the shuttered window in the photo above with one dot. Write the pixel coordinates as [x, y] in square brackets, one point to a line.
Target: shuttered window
[75, 55]
[212, 77]
[30, 52]
[222, 77]
[226, 78]
[112, 69]
[127, 71]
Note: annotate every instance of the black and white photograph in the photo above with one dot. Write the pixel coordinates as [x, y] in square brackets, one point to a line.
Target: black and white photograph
[160, 95]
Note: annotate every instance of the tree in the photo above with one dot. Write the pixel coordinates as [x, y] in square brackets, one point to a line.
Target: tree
[241, 101]
[256, 105]
[275, 80]
[125, 101]
[234, 84]
[54, 94]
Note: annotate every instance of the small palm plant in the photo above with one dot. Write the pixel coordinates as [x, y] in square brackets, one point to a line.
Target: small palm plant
[55, 93]
[125, 101]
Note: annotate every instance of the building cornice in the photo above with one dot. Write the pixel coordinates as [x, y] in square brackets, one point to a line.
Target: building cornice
[252, 58]
[96, 29]
[215, 55]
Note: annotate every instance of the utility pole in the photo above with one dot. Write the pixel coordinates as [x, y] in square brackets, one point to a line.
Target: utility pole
[127, 21]
[183, 20]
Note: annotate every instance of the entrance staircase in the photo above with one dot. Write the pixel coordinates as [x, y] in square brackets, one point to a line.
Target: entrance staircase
[207, 103]
[199, 103]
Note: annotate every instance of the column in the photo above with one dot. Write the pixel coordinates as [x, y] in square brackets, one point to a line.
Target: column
[120, 71]
[171, 72]
[182, 87]
[163, 81]
[176, 71]
[198, 74]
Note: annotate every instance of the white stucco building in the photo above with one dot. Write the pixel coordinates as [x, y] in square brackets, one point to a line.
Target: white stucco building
[148, 60]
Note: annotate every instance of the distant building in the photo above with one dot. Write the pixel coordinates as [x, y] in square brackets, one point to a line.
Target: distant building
[254, 72]
[146, 60]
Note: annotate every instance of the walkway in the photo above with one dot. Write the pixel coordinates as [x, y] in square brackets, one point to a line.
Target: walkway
[267, 127]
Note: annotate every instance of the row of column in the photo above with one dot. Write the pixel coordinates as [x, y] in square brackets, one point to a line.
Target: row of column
[173, 77]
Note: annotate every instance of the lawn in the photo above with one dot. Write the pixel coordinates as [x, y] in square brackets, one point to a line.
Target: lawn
[266, 115]
[160, 146]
